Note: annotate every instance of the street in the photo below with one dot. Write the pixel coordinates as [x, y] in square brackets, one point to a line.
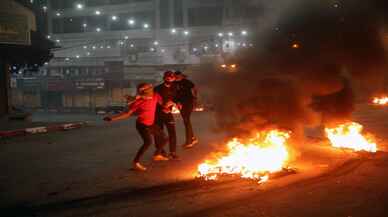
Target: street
[86, 173]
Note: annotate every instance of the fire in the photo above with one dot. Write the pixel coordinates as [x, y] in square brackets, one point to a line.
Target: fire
[380, 100]
[175, 110]
[254, 158]
[349, 135]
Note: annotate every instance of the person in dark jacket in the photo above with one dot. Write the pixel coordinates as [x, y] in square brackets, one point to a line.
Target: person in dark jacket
[168, 91]
[187, 97]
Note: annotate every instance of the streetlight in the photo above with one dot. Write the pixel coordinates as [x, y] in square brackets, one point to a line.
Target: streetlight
[58, 14]
[220, 34]
[173, 31]
[131, 22]
[146, 26]
[230, 34]
[114, 18]
[156, 43]
[98, 29]
[80, 6]
[186, 33]
[244, 32]
[97, 12]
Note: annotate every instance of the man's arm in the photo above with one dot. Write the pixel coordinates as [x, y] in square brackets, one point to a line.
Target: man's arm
[124, 115]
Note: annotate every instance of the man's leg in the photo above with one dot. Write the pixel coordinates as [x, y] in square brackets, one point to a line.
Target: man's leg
[145, 134]
[170, 124]
[159, 138]
[186, 111]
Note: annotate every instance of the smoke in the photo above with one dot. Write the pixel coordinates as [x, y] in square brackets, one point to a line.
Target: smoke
[338, 53]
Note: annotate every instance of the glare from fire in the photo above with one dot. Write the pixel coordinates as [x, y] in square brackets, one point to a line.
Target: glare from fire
[380, 100]
[175, 110]
[350, 136]
[253, 158]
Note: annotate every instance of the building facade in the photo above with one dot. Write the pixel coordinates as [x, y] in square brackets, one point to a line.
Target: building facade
[123, 42]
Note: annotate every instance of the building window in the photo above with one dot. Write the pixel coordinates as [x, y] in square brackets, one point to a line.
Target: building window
[205, 16]
[73, 25]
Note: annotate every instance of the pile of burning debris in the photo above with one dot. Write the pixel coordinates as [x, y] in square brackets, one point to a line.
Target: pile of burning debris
[266, 154]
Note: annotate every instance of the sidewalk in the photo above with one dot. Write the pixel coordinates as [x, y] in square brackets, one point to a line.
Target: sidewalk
[12, 128]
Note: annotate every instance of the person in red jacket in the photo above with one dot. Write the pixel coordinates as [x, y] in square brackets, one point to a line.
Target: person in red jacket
[145, 107]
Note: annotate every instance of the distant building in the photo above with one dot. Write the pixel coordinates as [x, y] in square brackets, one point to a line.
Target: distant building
[119, 43]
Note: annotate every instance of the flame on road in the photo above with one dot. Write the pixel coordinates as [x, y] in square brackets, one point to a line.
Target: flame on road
[253, 158]
[349, 135]
[380, 100]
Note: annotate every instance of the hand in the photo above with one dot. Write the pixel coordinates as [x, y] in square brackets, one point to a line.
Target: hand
[107, 119]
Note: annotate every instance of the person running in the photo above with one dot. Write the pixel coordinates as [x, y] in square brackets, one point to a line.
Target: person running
[145, 107]
[167, 90]
[187, 96]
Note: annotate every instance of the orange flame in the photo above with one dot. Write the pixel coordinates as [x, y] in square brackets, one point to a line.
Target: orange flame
[266, 153]
[349, 135]
[380, 100]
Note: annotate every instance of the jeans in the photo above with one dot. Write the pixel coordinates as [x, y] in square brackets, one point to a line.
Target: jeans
[146, 133]
[187, 109]
[167, 119]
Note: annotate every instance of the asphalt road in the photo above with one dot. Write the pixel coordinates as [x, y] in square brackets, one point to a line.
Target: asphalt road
[86, 173]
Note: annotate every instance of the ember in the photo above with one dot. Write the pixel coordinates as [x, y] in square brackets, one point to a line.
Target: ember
[380, 100]
[349, 135]
[253, 158]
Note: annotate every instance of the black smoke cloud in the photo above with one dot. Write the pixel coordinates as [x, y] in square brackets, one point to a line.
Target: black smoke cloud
[340, 54]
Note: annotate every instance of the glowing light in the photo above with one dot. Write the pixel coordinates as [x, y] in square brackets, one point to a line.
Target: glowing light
[67, 59]
[132, 45]
[114, 18]
[85, 47]
[380, 100]
[146, 26]
[186, 33]
[49, 36]
[84, 25]
[152, 49]
[80, 6]
[206, 47]
[126, 37]
[44, 8]
[131, 22]
[233, 66]
[349, 135]
[58, 41]
[58, 14]
[253, 158]
[223, 65]
[230, 33]
[77, 56]
[108, 46]
[195, 49]
[94, 47]
[173, 31]
[98, 29]
[244, 32]
[295, 46]
[97, 12]
[220, 34]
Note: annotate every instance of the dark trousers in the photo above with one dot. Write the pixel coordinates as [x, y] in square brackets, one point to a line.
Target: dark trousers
[167, 119]
[146, 133]
[187, 109]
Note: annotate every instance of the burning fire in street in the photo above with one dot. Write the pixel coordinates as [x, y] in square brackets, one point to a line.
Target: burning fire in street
[350, 136]
[253, 158]
[380, 100]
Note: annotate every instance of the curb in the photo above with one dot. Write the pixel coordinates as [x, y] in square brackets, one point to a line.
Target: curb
[43, 129]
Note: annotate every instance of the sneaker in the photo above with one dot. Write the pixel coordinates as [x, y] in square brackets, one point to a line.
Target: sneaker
[160, 157]
[138, 167]
[191, 144]
[173, 156]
